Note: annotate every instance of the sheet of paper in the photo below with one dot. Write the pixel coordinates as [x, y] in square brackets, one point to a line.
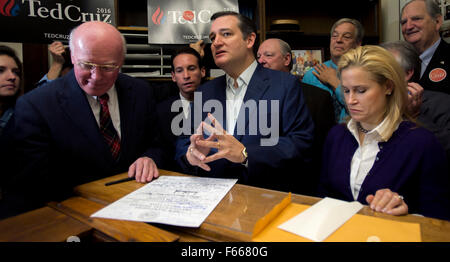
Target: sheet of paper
[359, 228]
[322, 219]
[172, 200]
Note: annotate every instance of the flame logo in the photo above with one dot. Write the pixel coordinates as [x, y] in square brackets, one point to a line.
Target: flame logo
[9, 8]
[157, 16]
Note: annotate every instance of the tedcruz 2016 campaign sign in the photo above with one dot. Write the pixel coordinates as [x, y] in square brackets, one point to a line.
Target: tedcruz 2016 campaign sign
[43, 21]
[183, 21]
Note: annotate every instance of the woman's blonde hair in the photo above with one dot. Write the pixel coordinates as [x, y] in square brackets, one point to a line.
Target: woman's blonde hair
[385, 70]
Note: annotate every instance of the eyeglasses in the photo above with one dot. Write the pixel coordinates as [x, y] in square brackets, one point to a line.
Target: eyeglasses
[91, 66]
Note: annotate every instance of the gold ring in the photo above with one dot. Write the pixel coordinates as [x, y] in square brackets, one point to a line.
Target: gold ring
[218, 145]
[191, 149]
[400, 197]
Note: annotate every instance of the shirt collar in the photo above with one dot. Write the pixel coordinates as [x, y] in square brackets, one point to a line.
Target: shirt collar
[244, 78]
[111, 93]
[186, 105]
[375, 133]
[428, 54]
[333, 65]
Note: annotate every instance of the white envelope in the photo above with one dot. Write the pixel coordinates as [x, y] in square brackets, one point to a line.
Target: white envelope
[322, 219]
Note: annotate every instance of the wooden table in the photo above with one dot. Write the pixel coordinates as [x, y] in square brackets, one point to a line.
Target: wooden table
[233, 219]
[235, 216]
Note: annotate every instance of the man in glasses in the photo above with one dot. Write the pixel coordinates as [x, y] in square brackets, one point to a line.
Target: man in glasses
[92, 123]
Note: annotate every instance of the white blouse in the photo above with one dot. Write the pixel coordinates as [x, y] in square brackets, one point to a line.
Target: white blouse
[365, 155]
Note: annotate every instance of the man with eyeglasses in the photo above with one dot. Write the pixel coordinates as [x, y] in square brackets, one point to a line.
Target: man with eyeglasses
[92, 123]
[346, 34]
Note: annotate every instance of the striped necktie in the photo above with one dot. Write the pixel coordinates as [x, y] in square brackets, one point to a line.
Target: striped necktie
[107, 128]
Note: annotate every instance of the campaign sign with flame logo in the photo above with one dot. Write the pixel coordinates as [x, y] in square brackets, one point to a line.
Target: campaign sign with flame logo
[184, 21]
[39, 21]
[9, 8]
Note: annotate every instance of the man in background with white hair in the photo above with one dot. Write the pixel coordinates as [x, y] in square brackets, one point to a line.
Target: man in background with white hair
[420, 22]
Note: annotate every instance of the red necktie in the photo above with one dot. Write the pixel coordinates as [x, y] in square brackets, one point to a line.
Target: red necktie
[107, 128]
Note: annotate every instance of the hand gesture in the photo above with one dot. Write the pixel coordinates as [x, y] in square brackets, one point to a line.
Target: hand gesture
[415, 93]
[227, 146]
[199, 46]
[56, 49]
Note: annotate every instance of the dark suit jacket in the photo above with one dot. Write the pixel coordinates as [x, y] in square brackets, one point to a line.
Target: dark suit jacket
[440, 59]
[320, 105]
[435, 116]
[59, 145]
[168, 138]
[277, 166]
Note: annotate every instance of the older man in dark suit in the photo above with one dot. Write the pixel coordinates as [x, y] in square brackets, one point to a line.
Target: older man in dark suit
[92, 123]
[420, 22]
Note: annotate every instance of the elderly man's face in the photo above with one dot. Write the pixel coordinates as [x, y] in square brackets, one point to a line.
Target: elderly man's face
[269, 55]
[343, 39]
[418, 27]
[96, 64]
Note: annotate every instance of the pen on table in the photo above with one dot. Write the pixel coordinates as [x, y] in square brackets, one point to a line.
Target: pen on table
[119, 181]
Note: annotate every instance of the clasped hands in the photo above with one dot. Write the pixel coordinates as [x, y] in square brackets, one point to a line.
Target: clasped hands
[227, 146]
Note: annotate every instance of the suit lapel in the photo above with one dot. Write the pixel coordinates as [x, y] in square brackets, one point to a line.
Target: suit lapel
[126, 100]
[74, 103]
[259, 83]
[437, 60]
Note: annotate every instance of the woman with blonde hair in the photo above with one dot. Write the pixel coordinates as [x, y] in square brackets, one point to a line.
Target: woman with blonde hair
[380, 157]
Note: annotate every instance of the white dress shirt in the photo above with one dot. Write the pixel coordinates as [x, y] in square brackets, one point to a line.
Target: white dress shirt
[365, 155]
[235, 96]
[186, 106]
[113, 106]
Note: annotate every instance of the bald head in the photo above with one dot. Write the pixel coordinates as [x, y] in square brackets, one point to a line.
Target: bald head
[275, 54]
[97, 51]
[98, 35]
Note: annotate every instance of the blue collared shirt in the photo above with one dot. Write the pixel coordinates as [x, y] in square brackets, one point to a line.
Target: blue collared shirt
[310, 78]
[427, 55]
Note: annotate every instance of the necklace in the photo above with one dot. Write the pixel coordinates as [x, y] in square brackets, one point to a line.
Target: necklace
[360, 128]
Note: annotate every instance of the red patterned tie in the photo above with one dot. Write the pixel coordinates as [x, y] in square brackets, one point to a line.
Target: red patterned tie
[107, 128]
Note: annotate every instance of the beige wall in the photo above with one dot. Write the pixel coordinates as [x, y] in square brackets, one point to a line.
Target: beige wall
[390, 22]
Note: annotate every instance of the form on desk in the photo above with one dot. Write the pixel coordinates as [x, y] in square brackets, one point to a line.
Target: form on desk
[171, 200]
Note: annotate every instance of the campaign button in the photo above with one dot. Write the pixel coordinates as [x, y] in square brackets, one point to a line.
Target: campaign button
[188, 15]
[437, 74]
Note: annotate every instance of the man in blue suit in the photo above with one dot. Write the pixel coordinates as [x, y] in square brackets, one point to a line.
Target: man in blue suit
[59, 128]
[260, 130]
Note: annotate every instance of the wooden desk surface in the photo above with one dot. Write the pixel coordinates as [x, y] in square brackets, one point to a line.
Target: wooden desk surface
[41, 225]
[235, 216]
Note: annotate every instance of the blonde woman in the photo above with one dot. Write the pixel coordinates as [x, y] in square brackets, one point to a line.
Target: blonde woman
[380, 157]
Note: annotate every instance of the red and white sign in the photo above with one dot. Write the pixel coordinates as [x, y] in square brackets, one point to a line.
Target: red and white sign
[183, 21]
[437, 75]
